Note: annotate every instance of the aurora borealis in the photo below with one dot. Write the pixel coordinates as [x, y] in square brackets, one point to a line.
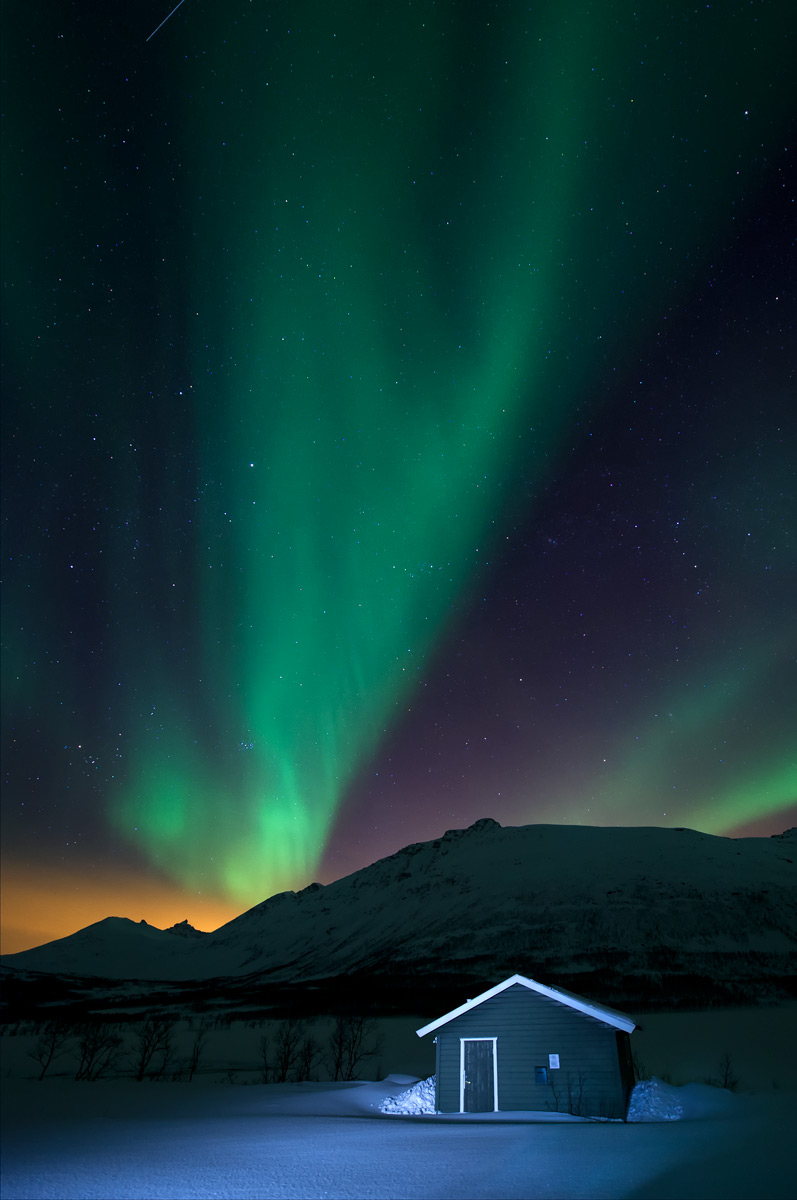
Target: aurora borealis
[399, 429]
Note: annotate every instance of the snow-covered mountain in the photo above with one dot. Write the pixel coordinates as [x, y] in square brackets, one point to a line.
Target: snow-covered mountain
[556, 902]
[186, 930]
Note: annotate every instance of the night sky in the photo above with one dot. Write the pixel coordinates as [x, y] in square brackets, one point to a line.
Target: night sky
[400, 428]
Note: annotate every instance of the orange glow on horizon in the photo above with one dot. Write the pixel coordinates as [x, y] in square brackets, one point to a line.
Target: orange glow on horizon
[42, 903]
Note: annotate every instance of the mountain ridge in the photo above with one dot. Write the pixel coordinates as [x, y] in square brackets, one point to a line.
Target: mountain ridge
[562, 903]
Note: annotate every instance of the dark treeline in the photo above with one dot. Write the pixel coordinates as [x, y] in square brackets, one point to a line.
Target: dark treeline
[288, 1051]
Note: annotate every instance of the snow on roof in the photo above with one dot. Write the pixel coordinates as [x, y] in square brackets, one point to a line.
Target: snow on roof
[598, 1011]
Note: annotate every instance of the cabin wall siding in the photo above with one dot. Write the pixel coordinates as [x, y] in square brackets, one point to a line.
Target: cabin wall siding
[529, 1027]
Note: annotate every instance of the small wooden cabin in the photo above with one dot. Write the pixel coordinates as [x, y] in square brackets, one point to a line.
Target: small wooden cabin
[525, 1046]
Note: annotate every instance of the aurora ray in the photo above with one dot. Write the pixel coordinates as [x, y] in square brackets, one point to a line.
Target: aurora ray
[342, 285]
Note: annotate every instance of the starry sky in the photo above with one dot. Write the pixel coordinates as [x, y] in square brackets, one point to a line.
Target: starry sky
[399, 428]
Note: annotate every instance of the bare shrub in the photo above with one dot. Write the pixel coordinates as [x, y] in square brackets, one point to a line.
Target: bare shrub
[152, 1047]
[97, 1050]
[290, 1034]
[53, 1041]
[264, 1054]
[195, 1053]
[353, 1039]
[640, 1069]
[569, 1092]
[294, 1055]
[726, 1076]
[308, 1058]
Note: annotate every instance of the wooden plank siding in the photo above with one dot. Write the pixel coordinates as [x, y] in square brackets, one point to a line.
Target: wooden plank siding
[529, 1027]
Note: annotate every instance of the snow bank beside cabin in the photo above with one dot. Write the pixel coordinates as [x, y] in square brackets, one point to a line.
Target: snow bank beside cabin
[655, 1100]
[416, 1101]
[651, 1100]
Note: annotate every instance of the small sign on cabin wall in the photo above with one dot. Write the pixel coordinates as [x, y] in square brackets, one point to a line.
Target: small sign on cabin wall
[553, 1062]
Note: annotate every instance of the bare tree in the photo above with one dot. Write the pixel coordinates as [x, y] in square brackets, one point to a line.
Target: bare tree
[197, 1046]
[308, 1057]
[353, 1039]
[52, 1043]
[165, 1050]
[290, 1034]
[264, 1051]
[97, 1050]
[726, 1077]
[153, 1040]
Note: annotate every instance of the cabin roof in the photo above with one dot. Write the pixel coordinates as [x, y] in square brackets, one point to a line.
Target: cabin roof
[598, 1011]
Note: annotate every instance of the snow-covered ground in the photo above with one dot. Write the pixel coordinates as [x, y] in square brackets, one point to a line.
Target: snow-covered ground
[162, 1140]
[651, 1100]
[228, 1135]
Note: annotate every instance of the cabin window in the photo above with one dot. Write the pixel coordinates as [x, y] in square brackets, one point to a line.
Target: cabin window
[540, 1074]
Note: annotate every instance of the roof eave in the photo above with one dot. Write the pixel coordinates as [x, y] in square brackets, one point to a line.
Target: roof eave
[615, 1020]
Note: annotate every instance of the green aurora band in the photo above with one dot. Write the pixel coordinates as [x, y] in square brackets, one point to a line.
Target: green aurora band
[394, 280]
[701, 735]
[400, 251]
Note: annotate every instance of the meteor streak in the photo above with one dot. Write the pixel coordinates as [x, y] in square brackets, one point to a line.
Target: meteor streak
[165, 19]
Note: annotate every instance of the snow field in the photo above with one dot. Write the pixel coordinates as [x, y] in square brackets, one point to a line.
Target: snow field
[215, 1138]
[75, 1141]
